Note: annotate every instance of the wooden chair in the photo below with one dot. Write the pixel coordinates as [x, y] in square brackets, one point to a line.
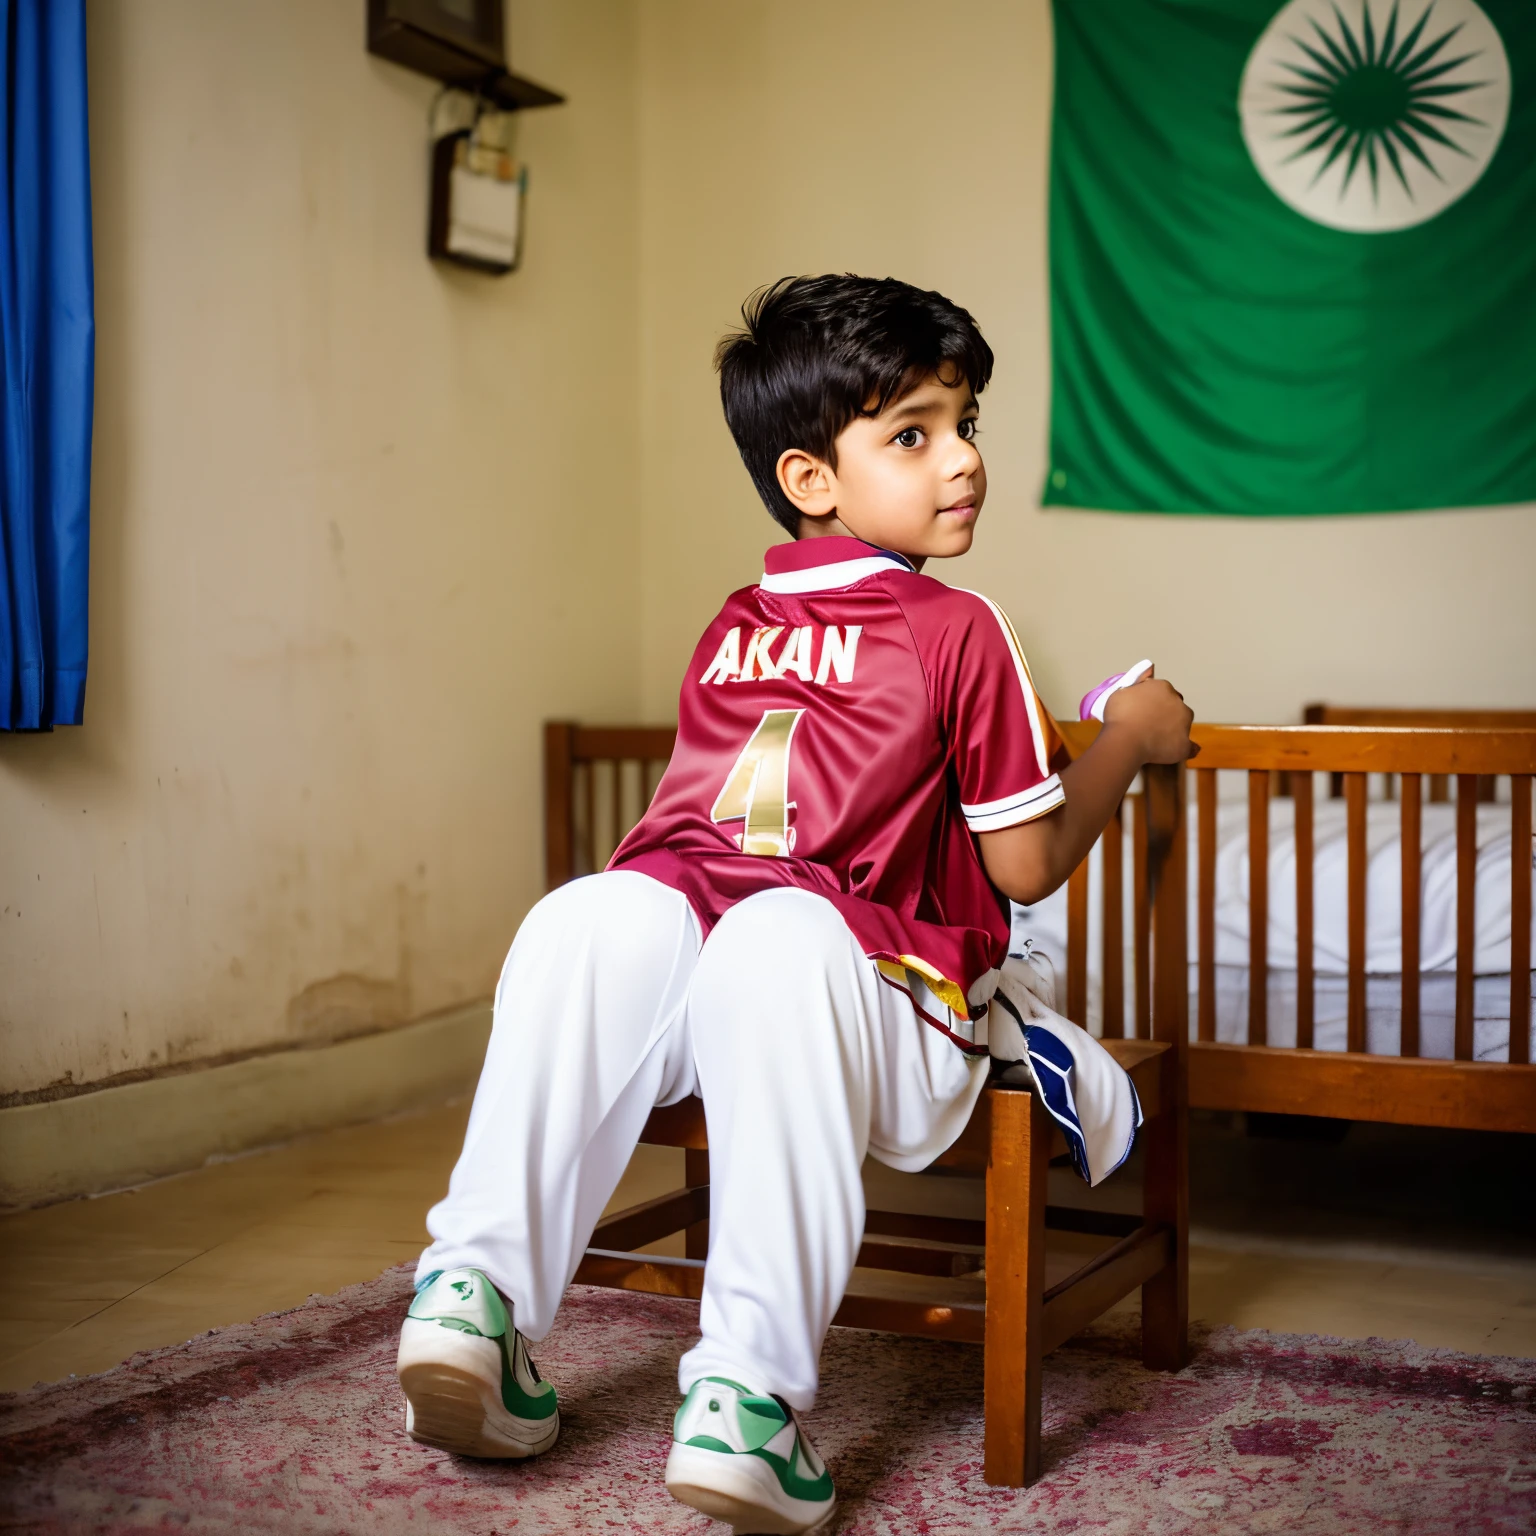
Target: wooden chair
[942, 1277]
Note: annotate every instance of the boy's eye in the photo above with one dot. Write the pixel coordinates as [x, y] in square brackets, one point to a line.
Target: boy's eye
[969, 429]
[908, 439]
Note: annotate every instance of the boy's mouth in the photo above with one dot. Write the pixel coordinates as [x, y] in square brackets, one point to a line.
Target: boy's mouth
[961, 509]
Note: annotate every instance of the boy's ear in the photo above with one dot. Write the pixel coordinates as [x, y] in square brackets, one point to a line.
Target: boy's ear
[809, 482]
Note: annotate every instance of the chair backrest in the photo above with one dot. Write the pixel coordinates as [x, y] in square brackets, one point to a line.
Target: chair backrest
[598, 780]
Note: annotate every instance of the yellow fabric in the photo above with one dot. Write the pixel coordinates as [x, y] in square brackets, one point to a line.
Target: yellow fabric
[947, 991]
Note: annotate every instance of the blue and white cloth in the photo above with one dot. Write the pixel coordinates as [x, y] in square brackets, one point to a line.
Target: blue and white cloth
[1086, 1091]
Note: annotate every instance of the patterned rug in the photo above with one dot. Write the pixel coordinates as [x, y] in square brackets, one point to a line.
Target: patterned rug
[292, 1424]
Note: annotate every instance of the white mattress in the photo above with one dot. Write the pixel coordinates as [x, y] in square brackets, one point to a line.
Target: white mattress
[1046, 925]
[1383, 1012]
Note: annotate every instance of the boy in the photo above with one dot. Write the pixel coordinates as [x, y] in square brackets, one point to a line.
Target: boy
[805, 928]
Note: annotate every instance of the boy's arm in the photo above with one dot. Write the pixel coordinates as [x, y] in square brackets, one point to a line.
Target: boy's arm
[1146, 723]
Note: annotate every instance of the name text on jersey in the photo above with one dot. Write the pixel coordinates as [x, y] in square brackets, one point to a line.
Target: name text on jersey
[765, 657]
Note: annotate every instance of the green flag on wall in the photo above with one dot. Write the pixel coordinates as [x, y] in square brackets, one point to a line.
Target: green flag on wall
[1293, 255]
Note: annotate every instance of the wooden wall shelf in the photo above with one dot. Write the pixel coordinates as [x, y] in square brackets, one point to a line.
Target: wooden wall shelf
[439, 40]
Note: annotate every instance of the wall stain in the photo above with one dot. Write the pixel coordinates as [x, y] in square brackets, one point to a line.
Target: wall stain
[345, 1005]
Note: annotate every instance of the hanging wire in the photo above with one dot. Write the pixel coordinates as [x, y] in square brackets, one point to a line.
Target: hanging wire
[480, 109]
[453, 90]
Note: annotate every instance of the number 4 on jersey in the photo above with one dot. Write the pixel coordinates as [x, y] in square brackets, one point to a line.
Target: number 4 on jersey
[756, 790]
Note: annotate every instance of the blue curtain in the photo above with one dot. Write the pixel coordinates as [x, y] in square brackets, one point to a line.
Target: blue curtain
[48, 330]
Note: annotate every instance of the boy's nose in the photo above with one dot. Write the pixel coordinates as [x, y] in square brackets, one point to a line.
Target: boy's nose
[966, 459]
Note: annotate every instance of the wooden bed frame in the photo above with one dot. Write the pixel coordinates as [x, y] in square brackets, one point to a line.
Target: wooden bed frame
[1473, 747]
[591, 799]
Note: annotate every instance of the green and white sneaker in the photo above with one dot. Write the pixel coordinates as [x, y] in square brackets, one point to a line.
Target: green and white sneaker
[743, 1457]
[470, 1386]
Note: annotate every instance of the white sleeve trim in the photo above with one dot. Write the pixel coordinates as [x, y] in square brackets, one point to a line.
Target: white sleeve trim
[994, 815]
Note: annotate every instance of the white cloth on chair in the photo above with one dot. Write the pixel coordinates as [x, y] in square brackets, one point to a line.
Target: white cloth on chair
[1088, 1093]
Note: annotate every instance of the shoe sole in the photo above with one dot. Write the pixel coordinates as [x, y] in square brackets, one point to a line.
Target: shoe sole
[452, 1386]
[741, 1489]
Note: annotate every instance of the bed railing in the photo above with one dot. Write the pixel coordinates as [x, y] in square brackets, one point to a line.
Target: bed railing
[599, 780]
[1273, 754]
[1351, 1084]
[1469, 756]
[1439, 791]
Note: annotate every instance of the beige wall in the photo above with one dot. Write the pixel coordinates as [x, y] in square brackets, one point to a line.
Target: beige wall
[359, 525]
[903, 137]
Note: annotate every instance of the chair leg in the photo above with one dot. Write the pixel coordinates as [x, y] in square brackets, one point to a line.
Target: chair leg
[1016, 1187]
[1165, 1297]
[696, 1173]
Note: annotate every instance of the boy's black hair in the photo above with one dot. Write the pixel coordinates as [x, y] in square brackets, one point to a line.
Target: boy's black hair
[816, 352]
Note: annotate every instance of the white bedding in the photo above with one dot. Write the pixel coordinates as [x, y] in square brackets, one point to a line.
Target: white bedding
[1046, 925]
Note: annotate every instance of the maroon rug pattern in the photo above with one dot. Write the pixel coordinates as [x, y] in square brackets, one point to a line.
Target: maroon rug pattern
[293, 1424]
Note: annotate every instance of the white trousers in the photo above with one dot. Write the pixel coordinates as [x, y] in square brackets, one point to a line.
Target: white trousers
[805, 1058]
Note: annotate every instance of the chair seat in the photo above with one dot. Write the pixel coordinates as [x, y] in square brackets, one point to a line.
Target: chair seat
[682, 1124]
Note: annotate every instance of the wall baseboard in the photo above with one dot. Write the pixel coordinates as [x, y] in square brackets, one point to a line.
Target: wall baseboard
[94, 1142]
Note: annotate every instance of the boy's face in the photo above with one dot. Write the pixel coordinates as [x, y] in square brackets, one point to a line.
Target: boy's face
[910, 479]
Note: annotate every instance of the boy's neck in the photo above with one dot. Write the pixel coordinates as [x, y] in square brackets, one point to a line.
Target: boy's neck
[833, 528]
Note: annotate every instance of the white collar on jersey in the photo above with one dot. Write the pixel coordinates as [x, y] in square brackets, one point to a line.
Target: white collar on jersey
[840, 573]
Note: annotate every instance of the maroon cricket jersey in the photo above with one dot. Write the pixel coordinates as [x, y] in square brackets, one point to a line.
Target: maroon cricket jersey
[844, 728]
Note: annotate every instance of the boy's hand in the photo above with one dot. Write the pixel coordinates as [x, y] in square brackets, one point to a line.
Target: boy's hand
[1156, 712]
[1146, 723]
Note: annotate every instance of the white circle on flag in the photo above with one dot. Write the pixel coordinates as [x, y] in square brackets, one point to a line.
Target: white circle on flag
[1371, 115]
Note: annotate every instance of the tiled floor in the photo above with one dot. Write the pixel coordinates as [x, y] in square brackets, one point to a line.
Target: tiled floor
[1378, 1236]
